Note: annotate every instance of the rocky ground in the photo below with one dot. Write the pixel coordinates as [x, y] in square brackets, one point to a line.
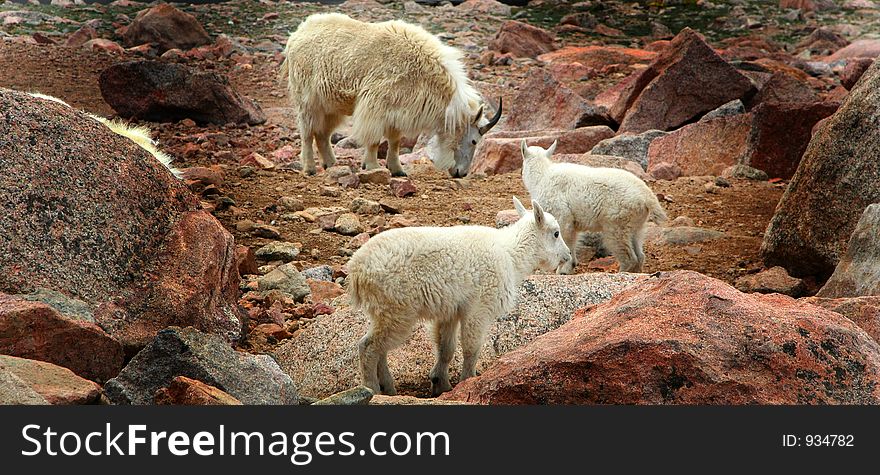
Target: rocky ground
[745, 86]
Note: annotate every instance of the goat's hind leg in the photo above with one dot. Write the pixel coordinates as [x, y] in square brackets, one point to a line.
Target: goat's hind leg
[322, 139]
[386, 333]
[306, 132]
[392, 159]
[620, 243]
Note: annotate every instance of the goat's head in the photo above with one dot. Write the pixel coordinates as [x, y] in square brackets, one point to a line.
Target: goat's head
[550, 248]
[455, 153]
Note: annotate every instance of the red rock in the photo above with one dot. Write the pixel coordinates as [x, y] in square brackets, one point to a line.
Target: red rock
[685, 81]
[545, 103]
[376, 176]
[858, 272]
[323, 291]
[142, 260]
[101, 44]
[284, 155]
[256, 160]
[499, 152]
[598, 57]
[808, 5]
[402, 187]
[703, 148]
[833, 185]
[863, 311]
[685, 338]
[506, 218]
[34, 330]
[853, 71]
[773, 280]
[522, 40]
[357, 241]
[183, 391]
[246, 260]
[42, 39]
[780, 134]
[168, 92]
[783, 87]
[857, 49]
[167, 27]
[57, 385]
[212, 175]
[80, 36]
[491, 7]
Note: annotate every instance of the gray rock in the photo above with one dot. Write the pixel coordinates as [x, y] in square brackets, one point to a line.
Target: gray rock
[324, 272]
[14, 391]
[68, 306]
[278, 251]
[323, 365]
[252, 379]
[629, 146]
[681, 235]
[365, 206]
[287, 279]
[356, 396]
[734, 107]
[348, 224]
[744, 172]
[858, 272]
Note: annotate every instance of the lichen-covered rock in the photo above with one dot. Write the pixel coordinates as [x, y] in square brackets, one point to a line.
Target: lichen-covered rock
[834, 183]
[858, 272]
[322, 366]
[252, 379]
[73, 222]
[685, 338]
[55, 384]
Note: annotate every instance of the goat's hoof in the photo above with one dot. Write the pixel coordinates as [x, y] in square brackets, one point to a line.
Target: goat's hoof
[399, 173]
[310, 172]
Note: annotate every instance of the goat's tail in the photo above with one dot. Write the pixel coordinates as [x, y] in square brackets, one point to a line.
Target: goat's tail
[655, 211]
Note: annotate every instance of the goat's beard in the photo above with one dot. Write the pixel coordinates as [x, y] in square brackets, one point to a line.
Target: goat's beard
[441, 153]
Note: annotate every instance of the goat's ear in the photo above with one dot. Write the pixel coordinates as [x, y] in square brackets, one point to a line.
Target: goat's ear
[520, 209]
[539, 213]
[479, 115]
[552, 149]
[524, 148]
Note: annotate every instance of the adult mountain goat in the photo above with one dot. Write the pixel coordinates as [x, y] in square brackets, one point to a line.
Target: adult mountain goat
[463, 276]
[394, 79]
[611, 201]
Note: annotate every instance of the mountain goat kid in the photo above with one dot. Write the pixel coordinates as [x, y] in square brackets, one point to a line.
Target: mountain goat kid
[463, 276]
[394, 79]
[611, 201]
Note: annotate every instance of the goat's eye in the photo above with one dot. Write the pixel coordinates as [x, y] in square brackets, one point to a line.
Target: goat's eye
[556, 235]
[473, 142]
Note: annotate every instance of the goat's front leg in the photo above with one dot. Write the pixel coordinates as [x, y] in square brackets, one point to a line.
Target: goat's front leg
[474, 328]
[328, 158]
[371, 157]
[570, 236]
[444, 350]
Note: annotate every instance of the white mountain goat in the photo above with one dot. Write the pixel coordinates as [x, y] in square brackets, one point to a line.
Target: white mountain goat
[611, 201]
[394, 79]
[460, 275]
[137, 134]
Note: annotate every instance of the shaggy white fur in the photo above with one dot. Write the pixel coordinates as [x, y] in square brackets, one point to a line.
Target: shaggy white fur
[611, 201]
[137, 134]
[461, 275]
[393, 78]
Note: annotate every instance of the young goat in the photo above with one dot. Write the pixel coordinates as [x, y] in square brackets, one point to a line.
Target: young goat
[394, 79]
[607, 200]
[458, 276]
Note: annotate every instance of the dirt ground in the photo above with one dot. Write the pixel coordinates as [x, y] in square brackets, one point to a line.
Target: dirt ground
[740, 211]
